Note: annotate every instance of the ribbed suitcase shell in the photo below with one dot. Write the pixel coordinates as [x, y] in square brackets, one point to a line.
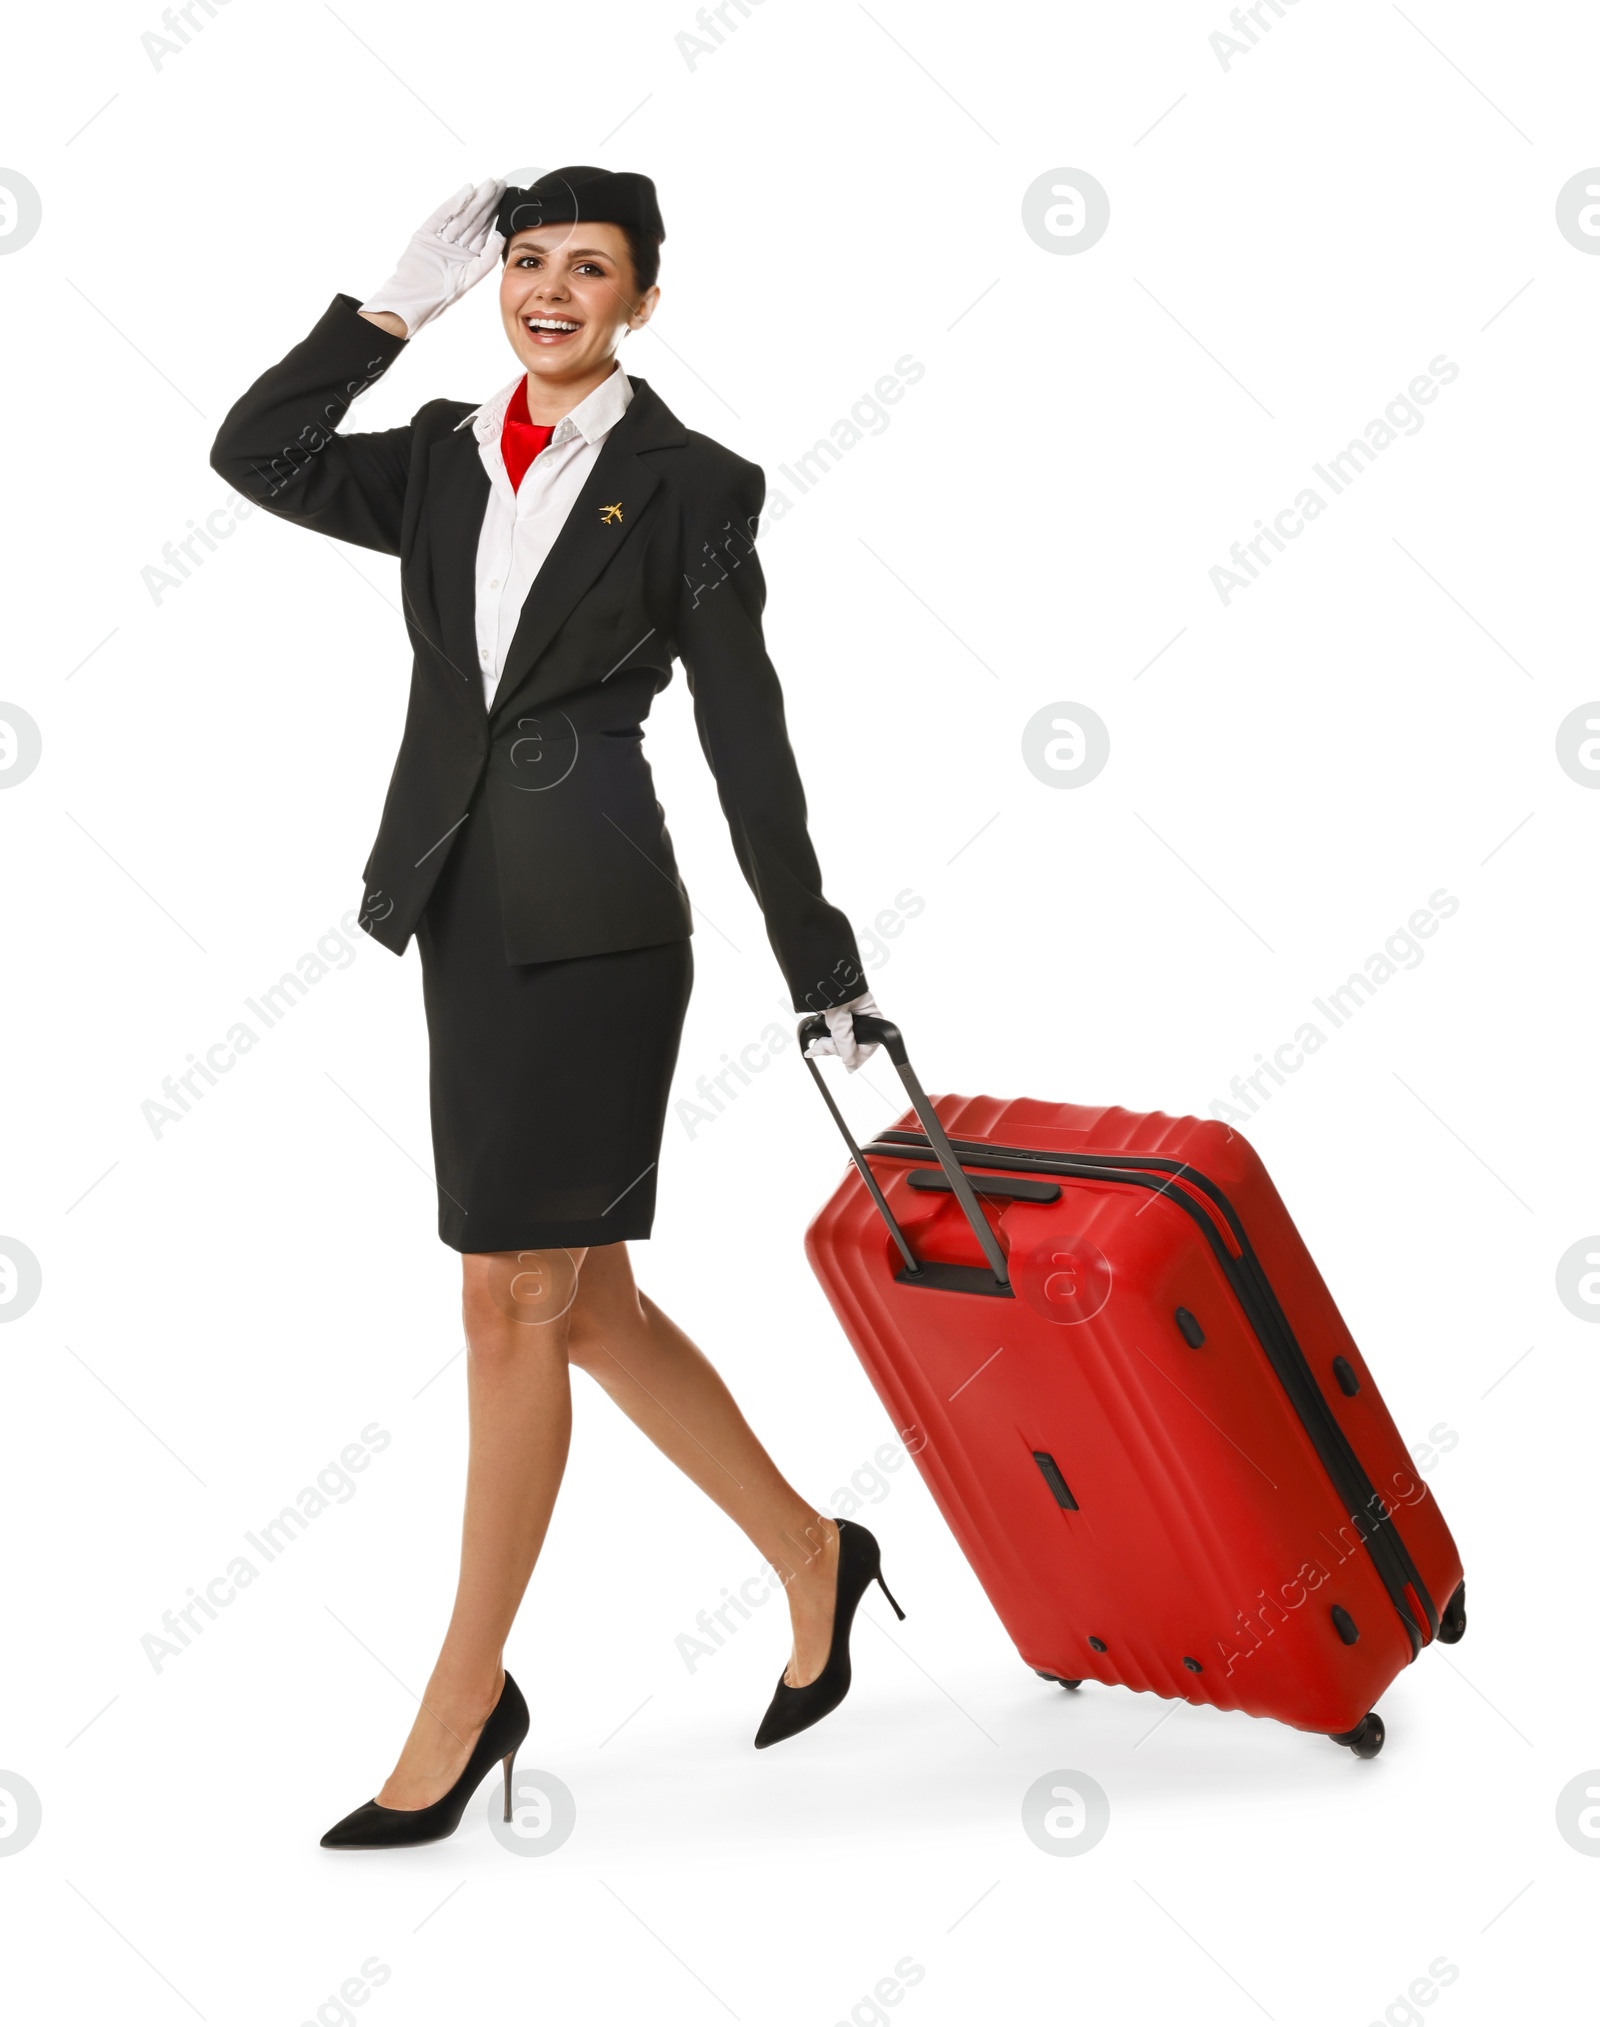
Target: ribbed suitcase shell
[1207, 1527]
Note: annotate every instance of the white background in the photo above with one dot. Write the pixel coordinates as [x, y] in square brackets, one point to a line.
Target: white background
[1293, 239]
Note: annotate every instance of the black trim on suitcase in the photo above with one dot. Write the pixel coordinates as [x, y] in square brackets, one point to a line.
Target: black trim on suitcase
[1025, 1189]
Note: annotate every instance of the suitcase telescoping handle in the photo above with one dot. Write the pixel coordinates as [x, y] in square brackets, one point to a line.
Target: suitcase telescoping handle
[871, 1028]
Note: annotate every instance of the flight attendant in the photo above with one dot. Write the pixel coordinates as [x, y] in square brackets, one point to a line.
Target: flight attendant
[561, 545]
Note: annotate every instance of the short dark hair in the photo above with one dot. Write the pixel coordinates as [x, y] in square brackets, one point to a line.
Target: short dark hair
[644, 251]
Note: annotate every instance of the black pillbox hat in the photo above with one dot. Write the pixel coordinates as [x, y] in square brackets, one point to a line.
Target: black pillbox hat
[563, 196]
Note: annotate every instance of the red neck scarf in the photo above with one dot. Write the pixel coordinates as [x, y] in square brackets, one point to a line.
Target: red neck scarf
[521, 440]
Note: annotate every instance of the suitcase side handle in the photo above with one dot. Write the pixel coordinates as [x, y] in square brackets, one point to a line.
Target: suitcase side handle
[872, 1028]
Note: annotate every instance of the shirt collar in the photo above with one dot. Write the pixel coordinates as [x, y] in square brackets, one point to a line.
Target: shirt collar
[593, 416]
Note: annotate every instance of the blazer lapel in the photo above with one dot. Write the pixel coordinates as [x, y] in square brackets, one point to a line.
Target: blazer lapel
[604, 515]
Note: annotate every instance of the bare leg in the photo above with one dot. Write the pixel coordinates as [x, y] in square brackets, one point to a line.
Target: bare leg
[670, 1389]
[516, 1308]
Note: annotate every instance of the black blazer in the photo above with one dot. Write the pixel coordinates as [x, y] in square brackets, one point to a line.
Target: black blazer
[655, 562]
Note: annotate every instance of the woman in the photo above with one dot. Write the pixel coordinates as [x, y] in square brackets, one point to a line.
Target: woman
[560, 545]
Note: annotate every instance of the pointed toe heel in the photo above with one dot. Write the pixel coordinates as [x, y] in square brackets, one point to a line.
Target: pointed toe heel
[372, 1827]
[795, 1710]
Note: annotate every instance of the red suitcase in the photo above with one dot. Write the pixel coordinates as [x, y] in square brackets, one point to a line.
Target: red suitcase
[1136, 1404]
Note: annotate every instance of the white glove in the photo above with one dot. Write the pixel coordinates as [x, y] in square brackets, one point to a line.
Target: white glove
[454, 247]
[840, 1039]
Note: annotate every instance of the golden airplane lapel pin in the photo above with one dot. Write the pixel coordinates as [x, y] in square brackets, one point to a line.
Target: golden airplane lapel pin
[613, 513]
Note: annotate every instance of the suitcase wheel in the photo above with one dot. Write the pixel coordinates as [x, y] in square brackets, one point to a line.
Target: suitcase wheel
[1366, 1741]
[1067, 1682]
[1453, 1619]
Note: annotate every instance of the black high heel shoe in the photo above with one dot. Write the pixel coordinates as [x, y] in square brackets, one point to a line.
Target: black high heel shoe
[373, 1827]
[793, 1710]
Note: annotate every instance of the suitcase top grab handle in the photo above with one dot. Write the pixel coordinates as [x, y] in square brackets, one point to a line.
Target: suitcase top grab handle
[871, 1028]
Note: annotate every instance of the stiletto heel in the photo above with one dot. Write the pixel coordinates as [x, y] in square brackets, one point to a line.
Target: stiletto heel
[792, 1710]
[882, 1586]
[372, 1827]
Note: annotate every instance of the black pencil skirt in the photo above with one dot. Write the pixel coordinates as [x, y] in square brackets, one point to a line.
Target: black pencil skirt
[548, 1083]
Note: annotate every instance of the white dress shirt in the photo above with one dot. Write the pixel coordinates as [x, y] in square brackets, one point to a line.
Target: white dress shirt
[520, 527]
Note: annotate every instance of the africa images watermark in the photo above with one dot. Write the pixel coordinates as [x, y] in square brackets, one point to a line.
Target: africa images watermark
[296, 457]
[355, 1991]
[1401, 2010]
[173, 571]
[868, 2010]
[695, 48]
[1401, 951]
[1311, 1576]
[868, 1486]
[868, 416]
[715, 1093]
[1402, 417]
[334, 951]
[334, 1485]
[1227, 47]
[1316, 1571]
[182, 24]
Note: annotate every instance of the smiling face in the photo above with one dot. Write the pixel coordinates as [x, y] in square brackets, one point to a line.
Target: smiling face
[567, 294]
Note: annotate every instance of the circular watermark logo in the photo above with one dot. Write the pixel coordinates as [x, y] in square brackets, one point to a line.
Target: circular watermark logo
[529, 213]
[1578, 1279]
[542, 753]
[1578, 745]
[1065, 745]
[1066, 1813]
[21, 1813]
[1066, 1279]
[21, 209]
[1578, 210]
[21, 743]
[1065, 210]
[1577, 1812]
[21, 1278]
[533, 1287]
[376, 906]
[543, 1813]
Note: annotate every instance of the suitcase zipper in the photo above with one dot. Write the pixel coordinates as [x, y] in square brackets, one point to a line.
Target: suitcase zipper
[1384, 1544]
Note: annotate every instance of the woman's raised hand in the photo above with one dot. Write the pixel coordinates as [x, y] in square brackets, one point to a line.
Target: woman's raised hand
[453, 247]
